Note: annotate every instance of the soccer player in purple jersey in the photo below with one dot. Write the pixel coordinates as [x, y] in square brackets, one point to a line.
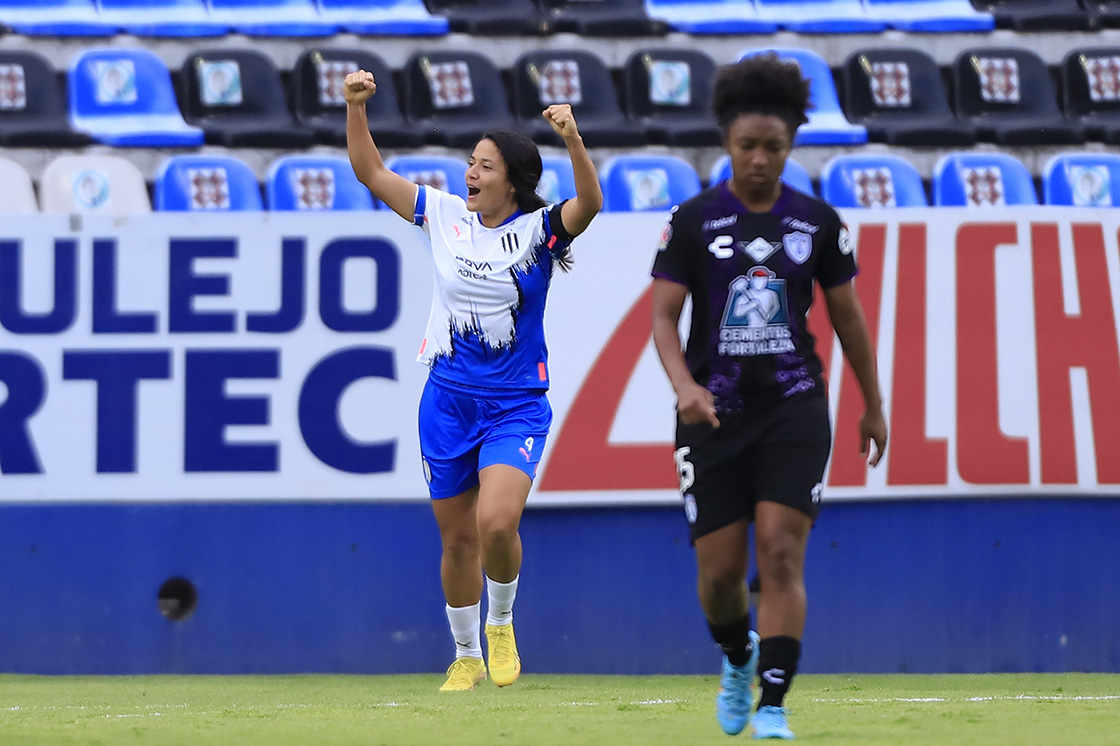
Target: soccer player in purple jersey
[484, 415]
[753, 432]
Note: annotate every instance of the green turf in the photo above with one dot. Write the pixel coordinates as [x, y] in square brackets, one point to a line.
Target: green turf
[994, 710]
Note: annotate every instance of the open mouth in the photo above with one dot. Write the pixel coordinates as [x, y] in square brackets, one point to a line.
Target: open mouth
[472, 191]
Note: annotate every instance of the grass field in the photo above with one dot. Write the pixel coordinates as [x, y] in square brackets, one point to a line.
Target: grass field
[989, 710]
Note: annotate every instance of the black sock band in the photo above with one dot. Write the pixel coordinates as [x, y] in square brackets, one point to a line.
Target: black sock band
[734, 639]
[777, 665]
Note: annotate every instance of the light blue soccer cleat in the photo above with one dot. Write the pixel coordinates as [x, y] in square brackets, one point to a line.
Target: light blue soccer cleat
[736, 689]
[770, 722]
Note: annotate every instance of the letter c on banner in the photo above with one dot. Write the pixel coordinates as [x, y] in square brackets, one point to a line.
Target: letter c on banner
[318, 410]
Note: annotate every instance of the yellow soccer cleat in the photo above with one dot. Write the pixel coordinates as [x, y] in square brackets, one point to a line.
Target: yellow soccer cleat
[504, 662]
[463, 674]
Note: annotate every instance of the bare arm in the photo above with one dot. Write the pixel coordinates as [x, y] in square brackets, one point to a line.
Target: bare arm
[847, 319]
[695, 403]
[577, 213]
[393, 189]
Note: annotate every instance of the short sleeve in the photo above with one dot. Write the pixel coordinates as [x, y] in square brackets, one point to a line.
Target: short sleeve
[837, 262]
[671, 261]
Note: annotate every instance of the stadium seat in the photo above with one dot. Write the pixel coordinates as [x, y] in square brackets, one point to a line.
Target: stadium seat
[383, 17]
[602, 18]
[443, 172]
[669, 93]
[237, 98]
[93, 183]
[124, 97]
[454, 96]
[160, 18]
[1106, 12]
[308, 182]
[33, 109]
[820, 16]
[54, 18]
[206, 183]
[491, 17]
[558, 182]
[990, 83]
[19, 194]
[568, 76]
[636, 183]
[794, 174]
[698, 17]
[982, 180]
[855, 180]
[319, 104]
[827, 124]
[931, 16]
[1038, 15]
[272, 17]
[1082, 180]
[1091, 91]
[899, 96]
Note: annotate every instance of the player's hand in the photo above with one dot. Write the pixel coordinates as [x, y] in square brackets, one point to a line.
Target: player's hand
[872, 426]
[358, 87]
[562, 120]
[695, 404]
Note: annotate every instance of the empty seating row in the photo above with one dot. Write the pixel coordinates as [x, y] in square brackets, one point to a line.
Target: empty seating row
[236, 97]
[300, 18]
[631, 183]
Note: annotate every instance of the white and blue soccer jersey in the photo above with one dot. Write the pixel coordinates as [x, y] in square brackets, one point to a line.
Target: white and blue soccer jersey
[486, 328]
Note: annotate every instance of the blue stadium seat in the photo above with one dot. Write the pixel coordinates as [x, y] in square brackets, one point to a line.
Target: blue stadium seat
[931, 16]
[205, 183]
[982, 180]
[576, 77]
[669, 93]
[454, 96]
[820, 16]
[898, 94]
[236, 96]
[124, 97]
[557, 183]
[636, 183]
[54, 18]
[827, 124]
[309, 182]
[711, 16]
[1008, 95]
[440, 171]
[794, 174]
[855, 180]
[272, 17]
[33, 110]
[172, 18]
[1082, 180]
[383, 17]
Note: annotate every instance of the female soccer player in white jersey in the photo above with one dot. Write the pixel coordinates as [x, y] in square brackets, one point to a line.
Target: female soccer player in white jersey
[484, 415]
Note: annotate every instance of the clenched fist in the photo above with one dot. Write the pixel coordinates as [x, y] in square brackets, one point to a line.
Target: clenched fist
[562, 120]
[358, 87]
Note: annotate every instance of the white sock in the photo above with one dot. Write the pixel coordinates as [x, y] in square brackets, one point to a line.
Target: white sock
[464, 628]
[499, 610]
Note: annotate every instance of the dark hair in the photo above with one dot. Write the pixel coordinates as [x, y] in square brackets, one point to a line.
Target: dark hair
[523, 166]
[524, 169]
[761, 84]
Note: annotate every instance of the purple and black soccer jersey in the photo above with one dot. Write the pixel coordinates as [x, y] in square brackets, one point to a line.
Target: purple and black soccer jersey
[751, 277]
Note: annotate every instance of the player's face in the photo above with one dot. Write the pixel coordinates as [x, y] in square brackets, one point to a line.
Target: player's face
[759, 145]
[488, 187]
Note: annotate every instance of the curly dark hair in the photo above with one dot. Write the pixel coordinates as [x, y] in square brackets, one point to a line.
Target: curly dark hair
[761, 84]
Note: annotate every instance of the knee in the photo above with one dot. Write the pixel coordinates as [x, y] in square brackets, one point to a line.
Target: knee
[460, 545]
[780, 562]
[724, 578]
[498, 530]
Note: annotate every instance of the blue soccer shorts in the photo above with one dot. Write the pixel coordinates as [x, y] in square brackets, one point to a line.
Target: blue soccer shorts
[462, 433]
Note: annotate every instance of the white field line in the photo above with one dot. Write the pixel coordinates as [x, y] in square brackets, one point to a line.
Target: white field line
[1010, 698]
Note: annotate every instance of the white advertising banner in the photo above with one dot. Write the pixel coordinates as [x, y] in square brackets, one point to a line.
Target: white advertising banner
[272, 356]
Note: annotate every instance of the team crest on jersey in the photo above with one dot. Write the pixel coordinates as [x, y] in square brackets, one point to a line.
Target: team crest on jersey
[756, 317]
[847, 246]
[798, 246]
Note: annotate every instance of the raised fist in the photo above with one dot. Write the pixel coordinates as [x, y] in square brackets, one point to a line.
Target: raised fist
[358, 87]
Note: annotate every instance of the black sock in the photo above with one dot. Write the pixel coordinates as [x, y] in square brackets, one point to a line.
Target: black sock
[777, 665]
[734, 639]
